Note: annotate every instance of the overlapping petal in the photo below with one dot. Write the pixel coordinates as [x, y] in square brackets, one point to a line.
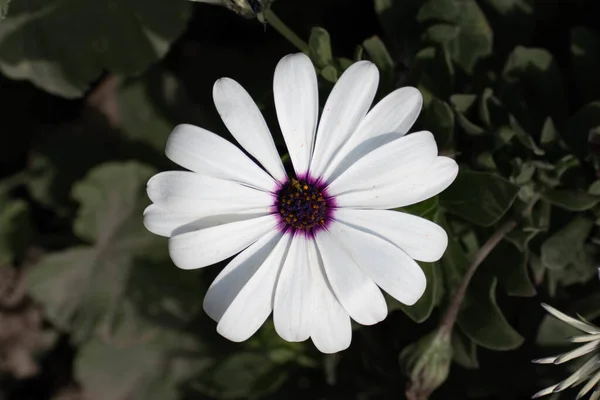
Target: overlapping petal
[244, 120]
[346, 106]
[207, 154]
[297, 104]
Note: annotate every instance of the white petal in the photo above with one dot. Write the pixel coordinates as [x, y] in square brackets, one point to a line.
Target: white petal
[346, 106]
[419, 238]
[406, 191]
[297, 104]
[397, 113]
[391, 162]
[330, 330]
[243, 295]
[292, 307]
[204, 152]
[191, 193]
[208, 246]
[391, 268]
[575, 323]
[163, 222]
[357, 293]
[232, 279]
[167, 223]
[247, 125]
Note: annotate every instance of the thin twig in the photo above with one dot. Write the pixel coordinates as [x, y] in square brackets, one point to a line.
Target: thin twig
[449, 318]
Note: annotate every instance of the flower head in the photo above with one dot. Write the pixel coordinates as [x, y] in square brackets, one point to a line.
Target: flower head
[590, 371]
[316, 247]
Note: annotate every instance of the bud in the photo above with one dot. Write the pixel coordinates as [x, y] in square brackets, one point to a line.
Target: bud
[427, 364]
[245, 8]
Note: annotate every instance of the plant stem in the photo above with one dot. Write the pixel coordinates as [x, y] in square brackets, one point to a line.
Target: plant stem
[285, 31]
[449, 318]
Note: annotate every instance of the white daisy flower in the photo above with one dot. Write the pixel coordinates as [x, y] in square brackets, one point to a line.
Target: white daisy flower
[314, 249]
[589, 371]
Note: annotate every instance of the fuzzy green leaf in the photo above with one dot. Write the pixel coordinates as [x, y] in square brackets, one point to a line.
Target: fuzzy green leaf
[81, 288]
[472, 39]
[64, 45]
[479, 197]
[561, 249]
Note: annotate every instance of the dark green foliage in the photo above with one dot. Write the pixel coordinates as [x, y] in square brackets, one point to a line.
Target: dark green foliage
[511, 91]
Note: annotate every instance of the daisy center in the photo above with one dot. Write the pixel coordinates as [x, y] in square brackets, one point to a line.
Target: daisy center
[303, 205]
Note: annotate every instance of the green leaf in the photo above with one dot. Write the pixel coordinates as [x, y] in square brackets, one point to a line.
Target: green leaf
[561, 249]
[473, 39]
[139, 117]
[4, 8]
[437, 117]
[398, 19]
[330, 73]
[421, 310]
[427, 209]
[464, 350]
[64, 45]
[585, 52]
[579, 127]
[537, 80]
[581, 269]
[479, 197]
[549, 133]
[319, 45]
[15, 230]
[140, 361]
[433, 73]
[512, 21]
[509, 265]
[480, 318]
[468, 126]
[570, 200]
[462, 102]
[523, 137]
[245, 375]
[380, 56]
[81, 288]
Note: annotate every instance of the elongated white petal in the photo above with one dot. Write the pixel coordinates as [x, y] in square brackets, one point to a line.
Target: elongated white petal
[405, 191]
[330, 330]
[419, 238]
[244, 120]
[585, 338]
[582, 373]
[191, 193]
[208, 246]
[397, 113]
[246, 290]
[297, 104]
[589, 385]
[544, 392]
[345, 108]
[390, 163]
[391, 268]
[204, 152]
[168, 223]
[357, 293]
[163, 222]
[232, 279]
[578, 352]
[292, 308]
[575, 323]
